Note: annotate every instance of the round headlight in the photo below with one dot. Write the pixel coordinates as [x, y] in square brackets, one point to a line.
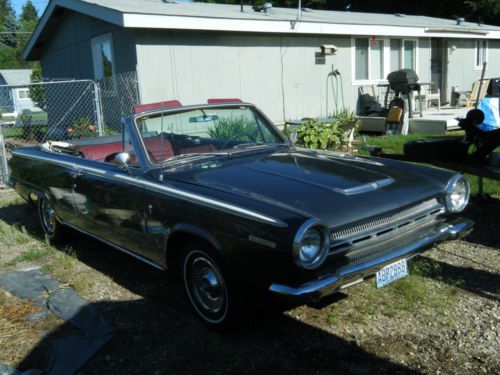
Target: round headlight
[457, 194]
[311, 244]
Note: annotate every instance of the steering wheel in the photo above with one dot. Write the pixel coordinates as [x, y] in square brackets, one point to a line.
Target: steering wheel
[235, 136]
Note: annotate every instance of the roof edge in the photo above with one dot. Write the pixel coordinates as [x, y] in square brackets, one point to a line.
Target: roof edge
[152, 21]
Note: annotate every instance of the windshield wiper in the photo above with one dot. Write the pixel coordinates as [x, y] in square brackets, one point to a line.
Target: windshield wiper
[192, 156]
[254, 145]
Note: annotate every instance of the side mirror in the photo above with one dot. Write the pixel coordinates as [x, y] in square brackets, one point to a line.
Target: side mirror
[122, 159]
[293, 138]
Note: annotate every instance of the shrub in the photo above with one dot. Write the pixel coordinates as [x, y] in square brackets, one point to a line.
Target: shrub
[315, 135]
[82, 128]
[347, 119]
[226, 128]
[26, 120]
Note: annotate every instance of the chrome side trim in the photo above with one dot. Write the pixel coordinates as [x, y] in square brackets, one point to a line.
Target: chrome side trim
[456, 228]
[117, 247]
[162, 188]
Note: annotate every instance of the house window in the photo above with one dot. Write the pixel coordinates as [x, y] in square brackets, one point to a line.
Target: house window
[395, 54]
[409, 54]
[375, 58]
[369, 59]
[481, 55]
[102, 55]
[23, 94]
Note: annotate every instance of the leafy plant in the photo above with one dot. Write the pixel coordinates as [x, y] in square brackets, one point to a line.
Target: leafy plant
[347, 119]
[82, 128]
[37, 92]
[225, 128]
[315, 135]
[26, 119]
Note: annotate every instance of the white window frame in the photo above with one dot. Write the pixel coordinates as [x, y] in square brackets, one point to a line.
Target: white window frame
[19, 94]
[96, 54]
[476, 45]
[402, 56]
[387, 58]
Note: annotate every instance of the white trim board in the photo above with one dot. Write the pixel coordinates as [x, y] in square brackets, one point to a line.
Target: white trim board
[157, 21]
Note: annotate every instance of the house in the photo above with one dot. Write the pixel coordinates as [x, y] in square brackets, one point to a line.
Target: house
[292, 64]
[14, 94]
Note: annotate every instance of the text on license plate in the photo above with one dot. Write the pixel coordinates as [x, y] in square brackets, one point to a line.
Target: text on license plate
[392, 272]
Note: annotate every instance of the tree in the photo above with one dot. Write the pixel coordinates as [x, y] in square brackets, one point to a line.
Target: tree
[8, 25]
[37, 92]
[26, 24]
[28, 18]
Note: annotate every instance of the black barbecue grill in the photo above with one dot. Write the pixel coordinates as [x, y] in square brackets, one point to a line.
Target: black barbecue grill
[405, 81]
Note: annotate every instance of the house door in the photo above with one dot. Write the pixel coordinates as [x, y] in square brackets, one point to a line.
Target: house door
[439, 65]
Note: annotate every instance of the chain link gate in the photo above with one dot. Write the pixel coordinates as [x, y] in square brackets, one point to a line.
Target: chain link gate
[33, 113]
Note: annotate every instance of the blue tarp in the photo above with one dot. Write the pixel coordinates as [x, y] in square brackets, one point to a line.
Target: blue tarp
[489, 106]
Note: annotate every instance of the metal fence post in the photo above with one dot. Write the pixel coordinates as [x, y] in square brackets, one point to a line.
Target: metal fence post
[4, 168]
[98, 108]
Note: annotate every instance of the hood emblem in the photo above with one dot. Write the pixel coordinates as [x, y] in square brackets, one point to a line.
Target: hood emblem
[371, 186]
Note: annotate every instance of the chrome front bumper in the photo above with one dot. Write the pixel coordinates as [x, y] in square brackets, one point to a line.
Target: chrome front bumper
[316, 289]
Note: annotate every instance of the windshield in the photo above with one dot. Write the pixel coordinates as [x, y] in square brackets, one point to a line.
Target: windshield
[204, 131]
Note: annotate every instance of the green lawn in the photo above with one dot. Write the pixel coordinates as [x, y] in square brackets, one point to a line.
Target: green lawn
[394, 144]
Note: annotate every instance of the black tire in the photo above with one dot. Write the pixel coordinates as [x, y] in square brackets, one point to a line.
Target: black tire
[51, 227]
[207, 285]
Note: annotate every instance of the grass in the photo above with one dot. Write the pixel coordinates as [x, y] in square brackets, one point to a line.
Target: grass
[12, 235]
[29, 255]
[395, 144]
[421, 290]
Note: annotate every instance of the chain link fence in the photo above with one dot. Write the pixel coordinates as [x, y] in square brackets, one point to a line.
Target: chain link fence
[32, 113]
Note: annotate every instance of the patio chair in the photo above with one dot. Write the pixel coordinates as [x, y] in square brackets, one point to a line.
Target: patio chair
[471, 97]
[426, 96]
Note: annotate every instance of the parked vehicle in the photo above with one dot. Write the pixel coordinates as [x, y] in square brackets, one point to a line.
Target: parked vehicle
[218, 194]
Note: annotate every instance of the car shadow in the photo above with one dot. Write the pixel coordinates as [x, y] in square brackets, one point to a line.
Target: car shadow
[486, 215]
[154, 337]
[159, 333]
[481, 282]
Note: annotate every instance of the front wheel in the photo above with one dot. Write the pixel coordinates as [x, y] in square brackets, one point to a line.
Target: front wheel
[52, 229]
[206, 285]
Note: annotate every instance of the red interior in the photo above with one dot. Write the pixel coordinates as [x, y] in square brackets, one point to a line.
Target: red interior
[158, 105]
[223, 100]
[159, 150]
[99, 152]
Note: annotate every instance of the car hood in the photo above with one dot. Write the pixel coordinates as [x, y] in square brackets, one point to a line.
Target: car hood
[336, 188]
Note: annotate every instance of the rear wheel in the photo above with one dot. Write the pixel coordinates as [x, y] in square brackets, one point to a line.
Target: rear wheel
[52, 229]
[206, 285]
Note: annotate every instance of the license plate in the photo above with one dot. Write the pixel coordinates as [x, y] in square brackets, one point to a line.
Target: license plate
[392, 272]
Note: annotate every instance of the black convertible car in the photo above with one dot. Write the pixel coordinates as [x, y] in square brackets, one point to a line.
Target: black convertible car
[217, 194]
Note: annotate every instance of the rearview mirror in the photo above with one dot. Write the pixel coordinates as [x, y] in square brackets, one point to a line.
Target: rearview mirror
[122, 159]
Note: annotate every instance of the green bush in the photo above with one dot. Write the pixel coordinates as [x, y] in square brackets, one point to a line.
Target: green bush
[226, 128]
[347, 119]
[26, 120]
[315, 135]
[82, 128]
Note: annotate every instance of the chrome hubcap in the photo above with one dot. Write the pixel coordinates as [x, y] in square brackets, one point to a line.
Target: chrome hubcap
[206, 286]
[48, 217]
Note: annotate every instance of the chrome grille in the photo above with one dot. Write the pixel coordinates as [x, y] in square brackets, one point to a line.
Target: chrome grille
[384, 227]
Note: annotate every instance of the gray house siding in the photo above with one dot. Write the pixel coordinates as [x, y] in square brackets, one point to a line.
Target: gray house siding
[461, 72]
[278, 73]
[69, 55]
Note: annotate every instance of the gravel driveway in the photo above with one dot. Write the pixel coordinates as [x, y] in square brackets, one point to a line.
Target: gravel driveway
[443, 319]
